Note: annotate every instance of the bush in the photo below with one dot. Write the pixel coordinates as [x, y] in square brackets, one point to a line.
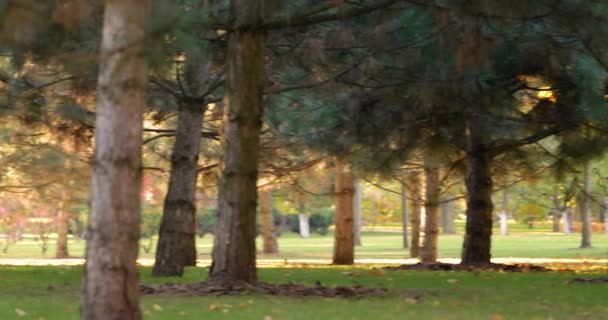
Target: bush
[320, 221]
[205, 221]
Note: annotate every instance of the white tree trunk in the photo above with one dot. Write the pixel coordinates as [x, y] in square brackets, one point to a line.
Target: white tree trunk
[567, 222]
[304, 223]
[111, 290]
[504, 225]
[357, 213]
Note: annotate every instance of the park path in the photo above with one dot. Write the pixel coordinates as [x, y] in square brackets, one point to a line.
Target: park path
[280, 262]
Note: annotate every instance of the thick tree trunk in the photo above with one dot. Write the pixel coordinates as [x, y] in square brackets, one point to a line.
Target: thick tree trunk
[567, 221]
[234, 242]
[110, 282]
[586, 207]
[478, 233]
[431, 210]
[504, 213]
[270, 244]
[357, 213]
[416, 208]
[404, 216]
[176, 246]
[344, 241]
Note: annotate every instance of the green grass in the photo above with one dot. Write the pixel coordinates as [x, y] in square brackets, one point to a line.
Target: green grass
[383, 245]
[53, 293]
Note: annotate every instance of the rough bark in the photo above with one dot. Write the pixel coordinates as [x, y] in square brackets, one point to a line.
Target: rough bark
[431, 210]
[344, 241]
[478, 232]
[357, 213]
[270, 244]
[586, 207]
[404, 216]
[63, 226]
[504, 213]
[110, 283]
[416, 208]
[176, 246]
[234, 242]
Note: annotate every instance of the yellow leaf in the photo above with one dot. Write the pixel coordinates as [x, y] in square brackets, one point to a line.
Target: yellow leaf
[213, 307]
[452, 280]
[496, 317]
[157, 307]
[20, 312]
[412, 300]
[267, 318]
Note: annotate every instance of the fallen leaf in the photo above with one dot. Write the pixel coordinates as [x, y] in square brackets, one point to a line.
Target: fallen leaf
[351, 273]
[213, 307]
[377, 272]
[20, 312]
[267, 318]
[452, 280]
[412, 300]
[496, 317]
[157, 307]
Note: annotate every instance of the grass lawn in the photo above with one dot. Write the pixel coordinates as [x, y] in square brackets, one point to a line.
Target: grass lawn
[383, 245]
[52, 293]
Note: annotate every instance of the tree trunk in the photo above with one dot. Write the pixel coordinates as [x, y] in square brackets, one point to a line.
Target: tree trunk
[344, 242]
[431, 210]
[478, 233]
[414, 184]
[266, 222]
[176, 246]
[404, 215]
[567, 221]
[504, 213]
[111, 290]
[357, 213]
[304, 224]
[606, 214]
[63, 225]
[555, 217]
[586, 207]
[448, 216]
[234, 242]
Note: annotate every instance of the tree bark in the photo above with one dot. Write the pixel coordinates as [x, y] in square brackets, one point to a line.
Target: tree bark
[344, 242]
[111, 290]
[270, 244]
[431, 210]
[416, 208]
[357, 213]
[404, 215]
[176, 247]
[63, 225]
[478, 233]
[234, 242]
[586, 207]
